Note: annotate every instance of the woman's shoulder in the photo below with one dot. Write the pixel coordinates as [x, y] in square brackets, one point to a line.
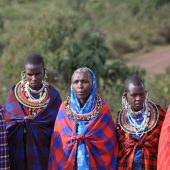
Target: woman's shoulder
[52, 88]
[54, 92]
[104, 102]
[161, 111]
[105, 106]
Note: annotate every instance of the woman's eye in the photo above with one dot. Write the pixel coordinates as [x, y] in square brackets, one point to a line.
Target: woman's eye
[133, 95]
[29, 74]
[85, 81]
[75, 82]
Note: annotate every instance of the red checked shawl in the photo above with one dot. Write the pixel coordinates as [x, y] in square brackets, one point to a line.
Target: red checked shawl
[164, 144]
[149, 144]
[99, 138]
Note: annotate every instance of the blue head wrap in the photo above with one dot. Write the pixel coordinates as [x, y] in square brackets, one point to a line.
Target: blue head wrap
[90, 103]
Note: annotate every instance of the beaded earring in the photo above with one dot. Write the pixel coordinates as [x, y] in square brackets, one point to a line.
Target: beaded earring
[146, 99]
[125, 104]
[23, 77]
[45, 74]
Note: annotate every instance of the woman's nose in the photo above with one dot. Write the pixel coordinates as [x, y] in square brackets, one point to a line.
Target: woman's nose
[138, 97]
[80, 85]
[33, 77]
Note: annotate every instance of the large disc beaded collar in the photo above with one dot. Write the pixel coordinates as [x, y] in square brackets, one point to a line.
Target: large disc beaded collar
[23, 94]
[83, 117]
[150, 117]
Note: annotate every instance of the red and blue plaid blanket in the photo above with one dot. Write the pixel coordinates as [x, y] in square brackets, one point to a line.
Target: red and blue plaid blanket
[100, 140]
[29, 139]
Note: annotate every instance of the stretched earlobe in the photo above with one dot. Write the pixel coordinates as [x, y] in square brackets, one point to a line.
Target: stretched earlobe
[146, 96]
[124, 102]
[45, 74]
[23, 77]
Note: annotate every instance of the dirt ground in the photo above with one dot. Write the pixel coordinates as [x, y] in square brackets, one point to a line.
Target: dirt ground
[154, 62]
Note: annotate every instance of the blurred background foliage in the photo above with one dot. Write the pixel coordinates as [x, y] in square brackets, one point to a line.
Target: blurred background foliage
[69, 34]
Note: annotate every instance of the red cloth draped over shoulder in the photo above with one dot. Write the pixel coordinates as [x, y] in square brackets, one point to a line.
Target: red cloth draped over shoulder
[164, 144]
[99, 138]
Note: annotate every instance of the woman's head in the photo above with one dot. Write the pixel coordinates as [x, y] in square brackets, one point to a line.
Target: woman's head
[134, 92]
[34, 70]
[82, 83]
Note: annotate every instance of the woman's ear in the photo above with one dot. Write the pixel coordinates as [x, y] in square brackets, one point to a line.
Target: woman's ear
[125, 94]
[146, 94]
[23, 76]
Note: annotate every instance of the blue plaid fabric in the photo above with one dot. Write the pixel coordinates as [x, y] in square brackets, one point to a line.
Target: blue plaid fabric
[4, 155]
[29, 139]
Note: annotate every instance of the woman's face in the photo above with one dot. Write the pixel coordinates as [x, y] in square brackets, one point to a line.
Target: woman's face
[136, 97]
[34, 75]
[81, 84]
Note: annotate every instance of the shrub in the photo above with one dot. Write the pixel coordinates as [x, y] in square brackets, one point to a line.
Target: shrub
[159, 88]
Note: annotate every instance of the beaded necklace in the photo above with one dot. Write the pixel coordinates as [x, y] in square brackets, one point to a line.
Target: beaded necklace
[129, 124]
[83, 117]
[23, 94]
[35, 91]
[42, 93]
[139, 128]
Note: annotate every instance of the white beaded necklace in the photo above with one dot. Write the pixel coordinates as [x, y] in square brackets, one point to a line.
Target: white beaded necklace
[35, 91]
[42, 92]
[139, 128]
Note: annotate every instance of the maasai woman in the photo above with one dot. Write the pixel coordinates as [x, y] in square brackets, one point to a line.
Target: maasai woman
[4, 155]
[138, 126]
[31, 109]
[84, 133]
[164, 144]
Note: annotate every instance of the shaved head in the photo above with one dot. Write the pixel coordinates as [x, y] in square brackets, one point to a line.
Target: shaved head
[133, 80]
[34, 59]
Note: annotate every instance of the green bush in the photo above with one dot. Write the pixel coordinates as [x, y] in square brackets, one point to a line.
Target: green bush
[1, 23]
[71, 34]
[159, 89]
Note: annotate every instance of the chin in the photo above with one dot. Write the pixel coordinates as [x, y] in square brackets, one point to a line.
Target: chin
[138, 108]
[35, 87]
